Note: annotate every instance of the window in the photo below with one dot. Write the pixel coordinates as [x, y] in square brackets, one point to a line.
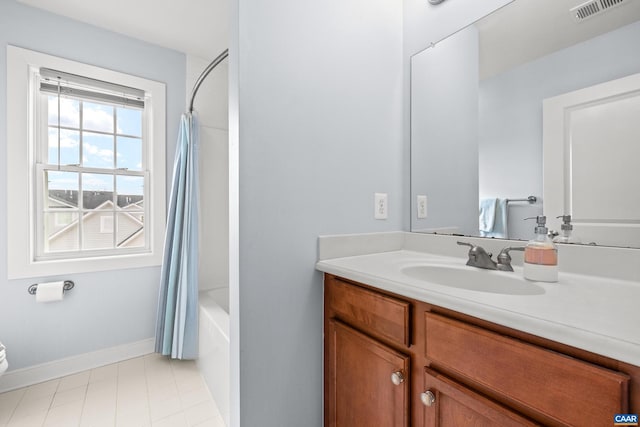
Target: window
[89, 164]
[90, 167]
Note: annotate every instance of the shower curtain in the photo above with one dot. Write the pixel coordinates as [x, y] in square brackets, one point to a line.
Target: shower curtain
[177, 324]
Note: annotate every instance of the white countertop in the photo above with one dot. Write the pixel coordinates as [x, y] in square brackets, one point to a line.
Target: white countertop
[598, 314]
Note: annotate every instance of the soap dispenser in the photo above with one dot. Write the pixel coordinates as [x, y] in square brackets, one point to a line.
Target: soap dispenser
[541, 255]
[566, 235]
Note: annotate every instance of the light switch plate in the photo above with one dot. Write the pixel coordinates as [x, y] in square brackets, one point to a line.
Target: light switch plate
[422, 206]
[380, 206]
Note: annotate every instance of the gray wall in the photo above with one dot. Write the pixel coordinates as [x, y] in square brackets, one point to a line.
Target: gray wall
[320, 104]
[444, 123]
[108, 308]
[320, 92]
[423, 24]
[511, 114]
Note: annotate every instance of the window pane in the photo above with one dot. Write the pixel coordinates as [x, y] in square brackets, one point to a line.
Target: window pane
[69, 146]
[61, 190]
[129, 121]
[129, 153]
[130, 192]
[61, 231]
[97, 117]
[130, 232]
[69, 112]
[97, 191]
[97, 230]
[97, 150]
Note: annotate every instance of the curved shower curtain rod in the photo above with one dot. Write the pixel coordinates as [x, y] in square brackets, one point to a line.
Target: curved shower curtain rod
[204, 75]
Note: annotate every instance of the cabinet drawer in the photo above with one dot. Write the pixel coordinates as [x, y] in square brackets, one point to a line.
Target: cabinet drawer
[385, 316]
[565, 391]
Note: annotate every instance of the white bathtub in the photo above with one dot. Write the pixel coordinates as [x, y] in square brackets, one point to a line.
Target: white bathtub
[213, 361]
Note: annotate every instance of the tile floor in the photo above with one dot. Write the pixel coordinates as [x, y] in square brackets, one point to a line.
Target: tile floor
[145, 391]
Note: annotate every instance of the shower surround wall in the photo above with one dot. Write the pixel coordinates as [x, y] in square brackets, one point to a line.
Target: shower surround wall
[105, 309]
[211, 108]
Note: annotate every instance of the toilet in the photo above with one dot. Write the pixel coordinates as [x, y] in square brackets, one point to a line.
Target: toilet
[3, 360]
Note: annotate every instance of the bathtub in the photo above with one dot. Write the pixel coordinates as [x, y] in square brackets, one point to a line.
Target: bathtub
[213, 339]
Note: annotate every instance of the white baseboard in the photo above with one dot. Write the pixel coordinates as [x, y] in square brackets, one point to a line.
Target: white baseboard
[12, 380]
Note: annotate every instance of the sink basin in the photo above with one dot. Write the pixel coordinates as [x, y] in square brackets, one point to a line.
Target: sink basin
[474, 279]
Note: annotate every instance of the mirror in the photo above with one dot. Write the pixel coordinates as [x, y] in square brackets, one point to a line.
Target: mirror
[478, 98]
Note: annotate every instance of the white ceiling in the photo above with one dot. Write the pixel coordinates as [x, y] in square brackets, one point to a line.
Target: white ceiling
[197, 27]
[517, 33]
[528, 29]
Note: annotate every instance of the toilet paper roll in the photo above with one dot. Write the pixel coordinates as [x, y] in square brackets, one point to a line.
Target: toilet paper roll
[50, 291]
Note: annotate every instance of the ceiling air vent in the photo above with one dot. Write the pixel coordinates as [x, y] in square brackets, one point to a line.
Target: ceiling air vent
[593, 8]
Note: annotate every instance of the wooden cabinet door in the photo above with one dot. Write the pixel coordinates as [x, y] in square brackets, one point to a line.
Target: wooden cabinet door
[455, 405]
[360, 390]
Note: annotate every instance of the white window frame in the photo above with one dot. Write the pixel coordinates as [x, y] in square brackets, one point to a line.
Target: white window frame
[21, 151]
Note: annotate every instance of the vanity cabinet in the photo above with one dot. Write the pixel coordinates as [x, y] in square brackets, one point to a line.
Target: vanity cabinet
[367, 369]
[394, 361]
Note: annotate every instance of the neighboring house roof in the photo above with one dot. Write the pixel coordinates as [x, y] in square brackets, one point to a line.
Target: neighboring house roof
[131, 237]
[58, 202]
[93, 199]
[105, 206]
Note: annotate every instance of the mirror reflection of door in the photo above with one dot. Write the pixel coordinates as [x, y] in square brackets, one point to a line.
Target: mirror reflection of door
[591, 144]
[477, 127]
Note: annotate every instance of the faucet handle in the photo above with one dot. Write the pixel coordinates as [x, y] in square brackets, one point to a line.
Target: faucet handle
[475, 249]
[504, 259]
[478, 257]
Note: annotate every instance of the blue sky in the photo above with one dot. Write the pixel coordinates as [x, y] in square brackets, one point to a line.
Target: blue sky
[98, 150]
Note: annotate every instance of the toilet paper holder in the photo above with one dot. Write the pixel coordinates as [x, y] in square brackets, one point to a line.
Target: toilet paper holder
[68, 285]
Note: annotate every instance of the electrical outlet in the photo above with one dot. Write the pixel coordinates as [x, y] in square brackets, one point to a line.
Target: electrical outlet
[381, 206]
[422, 207]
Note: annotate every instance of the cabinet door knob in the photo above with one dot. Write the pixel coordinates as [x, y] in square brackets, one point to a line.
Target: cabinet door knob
[428, 398]
[397, 378]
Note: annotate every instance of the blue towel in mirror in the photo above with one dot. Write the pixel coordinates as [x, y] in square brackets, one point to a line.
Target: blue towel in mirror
[493, 218]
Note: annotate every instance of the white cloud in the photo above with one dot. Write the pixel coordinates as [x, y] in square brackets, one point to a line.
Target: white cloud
[104, 154]
[68, 139]
[96, 118]
[69, 111]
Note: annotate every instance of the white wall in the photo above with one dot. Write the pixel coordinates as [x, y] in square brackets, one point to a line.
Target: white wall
[319, 86]
[211, 107]
[511, 114]
[104, 309]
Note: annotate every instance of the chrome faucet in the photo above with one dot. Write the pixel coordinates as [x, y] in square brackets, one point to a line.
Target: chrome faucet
[478, 257]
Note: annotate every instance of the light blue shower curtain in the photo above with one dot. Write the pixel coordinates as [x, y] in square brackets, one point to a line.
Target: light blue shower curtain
[177, 325]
